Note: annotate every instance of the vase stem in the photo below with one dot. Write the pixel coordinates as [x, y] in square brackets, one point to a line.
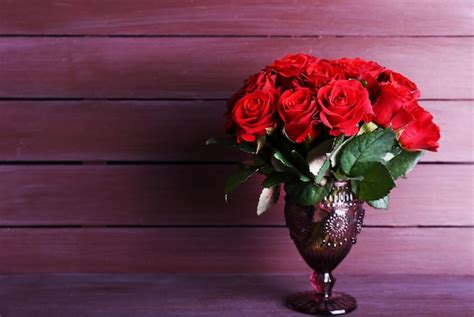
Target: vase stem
[323, 283]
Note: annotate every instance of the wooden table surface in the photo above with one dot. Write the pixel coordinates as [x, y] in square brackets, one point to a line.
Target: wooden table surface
[140, 295]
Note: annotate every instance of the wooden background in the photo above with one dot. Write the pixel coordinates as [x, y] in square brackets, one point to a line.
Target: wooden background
[105, 107]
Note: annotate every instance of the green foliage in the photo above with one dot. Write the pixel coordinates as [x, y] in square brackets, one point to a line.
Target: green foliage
[306, 194]
[322, 171]
[280, 162]
[403, 163]
[371, 161]
[337, 146]
[276, 178]
[381, 203]
[317, 158]
[376, 183]
[300, 163]
[234, 181]
[366, 148]
[283, 164]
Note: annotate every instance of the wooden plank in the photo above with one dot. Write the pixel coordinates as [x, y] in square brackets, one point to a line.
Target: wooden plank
[221, 250]
[192, 195]
[159, 130]
[237, 295]
[211, 17]
[209, 67]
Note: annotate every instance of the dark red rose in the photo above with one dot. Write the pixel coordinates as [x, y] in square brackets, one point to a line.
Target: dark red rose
[344, 103]
[320, 72]
[359, 68]
[400, 81]
[298, 110]
[253, 113]
[263, 80]
[291, 65]
[422, 133]
[392, 107]
[366, 71]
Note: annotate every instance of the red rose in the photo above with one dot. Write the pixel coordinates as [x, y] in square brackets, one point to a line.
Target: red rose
[262, 80]
[253, 113]
[319, 72]
[359, 68]
[400, 82]
[291, 65]
[344, 103]
[366, 71]
[392, 107]
[422, 133]
[298, 109]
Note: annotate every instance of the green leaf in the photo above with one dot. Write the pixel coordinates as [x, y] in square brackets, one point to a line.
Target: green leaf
[403, 163]
[267, 170]
[282, 159]
[282, 164]
[322, 171]
[355, 186]
[361, 168]
[268, 198]
[376, 183]
[368, 147]
[381, 203]
[338, 145]
[238, 178]
[300, 163]
[338, 175]
[367, 127]
[318, 155]
[276, 178]
[305, 194]
[232, 143]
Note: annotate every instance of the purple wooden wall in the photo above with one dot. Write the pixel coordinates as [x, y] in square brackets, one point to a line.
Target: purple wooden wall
[105, 107]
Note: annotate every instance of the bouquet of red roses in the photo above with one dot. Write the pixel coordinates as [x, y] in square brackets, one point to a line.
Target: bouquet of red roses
[309, 122]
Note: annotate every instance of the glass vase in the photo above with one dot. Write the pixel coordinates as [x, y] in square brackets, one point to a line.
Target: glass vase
[324, 235]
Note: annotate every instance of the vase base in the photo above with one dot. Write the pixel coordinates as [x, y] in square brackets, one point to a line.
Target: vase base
[314, 304]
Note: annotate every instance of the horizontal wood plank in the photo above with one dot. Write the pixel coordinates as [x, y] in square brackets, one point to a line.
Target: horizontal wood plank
[209, 67]
[219, 250]
[178, 295]
[159, 195]
[159, 130]
[211, 17]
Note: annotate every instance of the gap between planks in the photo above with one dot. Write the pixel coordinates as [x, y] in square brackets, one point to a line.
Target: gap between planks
[208, 226]
[27, 35]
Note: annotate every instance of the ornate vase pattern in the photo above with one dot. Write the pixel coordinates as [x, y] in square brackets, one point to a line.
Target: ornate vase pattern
[324, 235]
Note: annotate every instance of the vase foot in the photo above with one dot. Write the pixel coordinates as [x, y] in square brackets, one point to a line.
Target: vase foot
[314, 304]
